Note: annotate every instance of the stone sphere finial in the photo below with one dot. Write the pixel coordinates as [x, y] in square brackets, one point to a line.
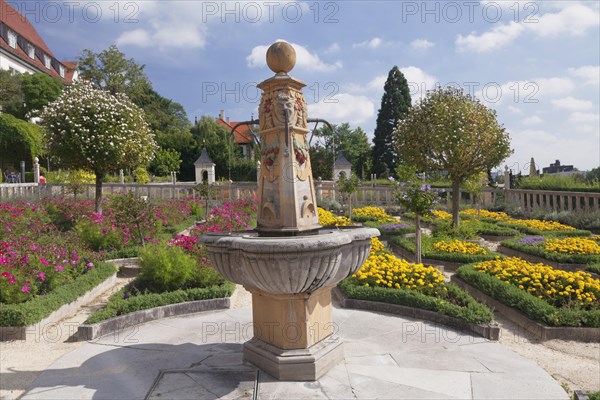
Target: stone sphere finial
[281, 57]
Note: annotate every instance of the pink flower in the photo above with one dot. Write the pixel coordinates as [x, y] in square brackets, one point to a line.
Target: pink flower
[42, 276]
[25, 289]
[44, 261]
[58, 268]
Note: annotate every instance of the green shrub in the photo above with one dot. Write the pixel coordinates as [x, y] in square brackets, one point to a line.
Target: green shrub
[581, 219]
[98, 238]
[141, 175]
[396, 228]
[532, 231]
[40, 307]
[168, 268]
[459, 304]
[466, 230]
[535, 308]
[594, 267]
[594, 396]
[118, 305]
[571, 183]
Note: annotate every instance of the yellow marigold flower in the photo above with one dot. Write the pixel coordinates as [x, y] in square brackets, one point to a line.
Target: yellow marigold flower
[573, 245]
[440, 214]
[459, 246]
[541, 225]
[327, 218]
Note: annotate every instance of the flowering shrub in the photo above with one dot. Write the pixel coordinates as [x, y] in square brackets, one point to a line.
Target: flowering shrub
[231, 216]
[386, 270]
[557, 287]
[532, 240]
[371, 213]
[441, 214]
[459, 246]
[499, 216]
[573, 245]
[29, 268]
[327, 218]
[541, 225]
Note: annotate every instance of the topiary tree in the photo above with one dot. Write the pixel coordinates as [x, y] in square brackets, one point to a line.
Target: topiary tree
[452, 131]
[417, 197]
[395, 103]
[91, 129]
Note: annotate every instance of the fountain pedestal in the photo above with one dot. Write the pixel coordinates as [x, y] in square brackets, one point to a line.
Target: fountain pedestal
[289, 263]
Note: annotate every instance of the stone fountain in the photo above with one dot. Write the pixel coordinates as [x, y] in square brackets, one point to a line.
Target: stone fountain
[289, 263]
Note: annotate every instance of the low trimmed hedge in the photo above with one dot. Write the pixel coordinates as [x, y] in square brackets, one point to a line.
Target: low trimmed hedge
[40, 307]
[117, 305]
[531, 231]
[535, 308]
[469, 309]
[493, 229]
[540, 251]
[426, 252]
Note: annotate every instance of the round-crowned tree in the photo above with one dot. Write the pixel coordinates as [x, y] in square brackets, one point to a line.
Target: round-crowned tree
[451, 131]
[94, 130]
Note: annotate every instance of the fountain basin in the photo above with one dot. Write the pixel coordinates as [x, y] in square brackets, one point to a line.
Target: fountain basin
[289, 264]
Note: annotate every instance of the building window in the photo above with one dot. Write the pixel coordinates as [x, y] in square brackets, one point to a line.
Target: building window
[47, 61]
[30, 51]
[61, 70]
[12, 39]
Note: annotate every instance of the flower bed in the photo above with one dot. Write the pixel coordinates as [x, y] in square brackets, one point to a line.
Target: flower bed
[572, 250]
[447, 249]
[327, 218]
[392, 229]
[546, 295]
[485, 215]
[539, 227]
[386, 278]
[371, 213]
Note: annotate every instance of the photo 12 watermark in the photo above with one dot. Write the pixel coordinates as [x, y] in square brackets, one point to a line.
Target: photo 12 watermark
[469, 11]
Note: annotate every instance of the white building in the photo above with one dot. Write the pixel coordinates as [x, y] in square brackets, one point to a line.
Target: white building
[23, 50]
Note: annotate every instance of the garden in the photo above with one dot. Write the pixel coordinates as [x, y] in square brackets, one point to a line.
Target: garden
[53, 251]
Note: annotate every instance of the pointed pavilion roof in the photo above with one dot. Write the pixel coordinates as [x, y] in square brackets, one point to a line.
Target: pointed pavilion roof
[341, 161]
[204, 158]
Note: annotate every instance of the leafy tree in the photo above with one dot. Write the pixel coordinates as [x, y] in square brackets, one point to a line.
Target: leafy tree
[451, 131]
[19, 141]
[165, 162]
[184, 143]
[11, 93]
[353, 143]
[416, 197]
[134, 211]
[38, 91]
[111, 71]
[218, 142]
[348, 186]
[395, 103]
[475, 185]
[593, 175]
[91, 129]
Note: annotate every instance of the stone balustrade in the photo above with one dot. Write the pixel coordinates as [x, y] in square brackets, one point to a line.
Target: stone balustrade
[376, 195]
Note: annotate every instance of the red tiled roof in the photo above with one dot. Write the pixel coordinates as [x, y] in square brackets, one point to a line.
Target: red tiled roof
[19, 24]
[242, 134]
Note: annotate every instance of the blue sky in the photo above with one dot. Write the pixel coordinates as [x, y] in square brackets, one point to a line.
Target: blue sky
[536, 63]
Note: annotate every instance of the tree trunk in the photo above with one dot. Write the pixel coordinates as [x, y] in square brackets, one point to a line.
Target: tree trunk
[455, 202]
[99, 178]
[418, 239]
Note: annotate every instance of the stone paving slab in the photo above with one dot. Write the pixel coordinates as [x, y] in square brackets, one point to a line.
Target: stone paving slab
[200, 356]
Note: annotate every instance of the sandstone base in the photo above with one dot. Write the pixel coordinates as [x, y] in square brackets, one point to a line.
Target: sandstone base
[297, 364]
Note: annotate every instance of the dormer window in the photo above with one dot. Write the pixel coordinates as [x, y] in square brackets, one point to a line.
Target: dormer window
[31, 51]
[47, 61]
[61, 71]
[12, 39]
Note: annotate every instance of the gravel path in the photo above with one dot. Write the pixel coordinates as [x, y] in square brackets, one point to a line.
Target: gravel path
[21, 361]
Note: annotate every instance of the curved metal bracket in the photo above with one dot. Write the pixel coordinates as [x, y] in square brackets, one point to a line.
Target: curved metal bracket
[317, 121]
[255, 137]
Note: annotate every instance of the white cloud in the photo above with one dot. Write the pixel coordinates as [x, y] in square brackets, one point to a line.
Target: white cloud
[421, 44]
[573, 104]
[419, 82]
[573, 20]
[589, 73]
[334, 48]
[372, 44]
[515, 110]
[304, 59]
[375, 85]
[524, 91]
[497, 37]
[584, 117]
[136, 37]
[344, 107]
[533, 120]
